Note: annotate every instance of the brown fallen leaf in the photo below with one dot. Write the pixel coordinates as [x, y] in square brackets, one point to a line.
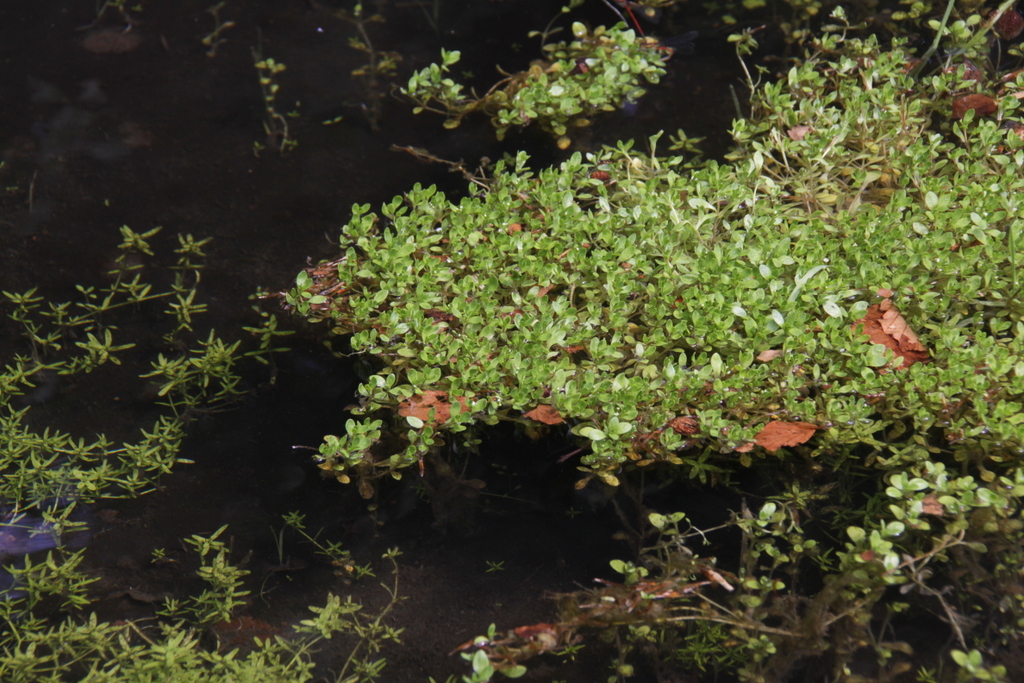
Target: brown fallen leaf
[930, 505]
[711, 575]
[971, 71]
[1009, 25]
[884, 325]
[777, 434]
[419, 406]
[982, 104]
[797, 133]
[687, 425]
[549, 415]
[769, 354]
[439, 315]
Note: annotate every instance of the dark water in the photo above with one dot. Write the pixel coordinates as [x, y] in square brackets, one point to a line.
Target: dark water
[162, 135]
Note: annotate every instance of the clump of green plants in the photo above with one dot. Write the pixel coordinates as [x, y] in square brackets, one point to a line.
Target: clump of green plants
[75, 338]
[835, 312]
[597, 72]
[50, 472]
[47, 631]
[83, 648]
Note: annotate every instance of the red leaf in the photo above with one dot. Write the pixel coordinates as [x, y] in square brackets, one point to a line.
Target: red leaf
[971, 71]
[983, 104]
[797, 133]
[1009, 25]
[687, 425]
[534, 629]
[421, 404]
[884, 325]
[546, 414]
[777, 434]
[931, 505]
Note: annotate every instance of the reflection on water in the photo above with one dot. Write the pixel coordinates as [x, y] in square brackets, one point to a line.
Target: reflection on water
[23, 533]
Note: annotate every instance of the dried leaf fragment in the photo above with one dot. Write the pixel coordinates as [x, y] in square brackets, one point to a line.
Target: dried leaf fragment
[797, 133]
[884, 325]
[777, 434]
[440, 316]
[420, 405]
[1009, 25]
[549, 415]
[930, 505]
[971, 70]
[687, 425]
[714, 576]
[769, 354]
[534, 629]
[983, 105]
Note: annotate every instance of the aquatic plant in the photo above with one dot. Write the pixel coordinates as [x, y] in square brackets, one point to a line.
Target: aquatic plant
[598, 72]
[834, 313]
[275, 123]
[65, 339]
[380, 66]
[50, 478]
[215, 38]
[174, 648]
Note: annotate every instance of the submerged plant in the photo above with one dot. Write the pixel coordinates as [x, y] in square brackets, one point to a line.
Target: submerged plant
[51, 471]
[380, 65]
[174, 648]
[47, 631]
[275, 123]
[215, 38]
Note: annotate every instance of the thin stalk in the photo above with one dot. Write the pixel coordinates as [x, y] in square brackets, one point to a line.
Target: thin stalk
[989, 23]
[935, 43]
[1011, 234]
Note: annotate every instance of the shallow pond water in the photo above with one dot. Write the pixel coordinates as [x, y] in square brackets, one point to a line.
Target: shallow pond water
[100, 129]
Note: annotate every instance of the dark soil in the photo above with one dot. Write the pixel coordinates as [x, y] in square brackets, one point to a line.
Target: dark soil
[163, 135]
